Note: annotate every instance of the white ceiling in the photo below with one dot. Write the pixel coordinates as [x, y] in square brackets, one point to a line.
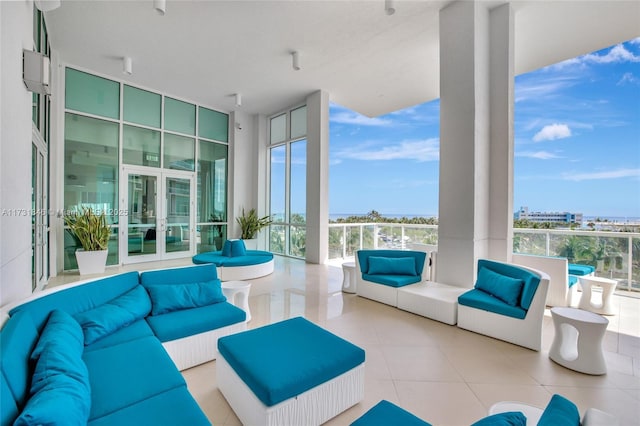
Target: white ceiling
[205, 51]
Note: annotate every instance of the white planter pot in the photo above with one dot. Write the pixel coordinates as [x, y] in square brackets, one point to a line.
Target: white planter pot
[91, 262]
[251, 244]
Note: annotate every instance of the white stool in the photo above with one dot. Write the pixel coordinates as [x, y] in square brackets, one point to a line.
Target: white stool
[237, 293]
[577, 344]
[349, 277]
[608, 287]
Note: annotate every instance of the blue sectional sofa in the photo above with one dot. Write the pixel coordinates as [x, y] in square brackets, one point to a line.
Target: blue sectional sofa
[235, 262]
[382, 272]
[95, 352]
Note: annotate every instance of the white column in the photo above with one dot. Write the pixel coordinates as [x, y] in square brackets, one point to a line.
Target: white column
[475, 130]
[317, 244]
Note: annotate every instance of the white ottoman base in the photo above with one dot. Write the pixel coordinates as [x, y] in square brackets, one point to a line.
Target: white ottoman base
[432, 300]
[313, 407]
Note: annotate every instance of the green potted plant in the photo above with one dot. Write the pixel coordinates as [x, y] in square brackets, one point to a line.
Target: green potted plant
[251, 224]
[92, 231]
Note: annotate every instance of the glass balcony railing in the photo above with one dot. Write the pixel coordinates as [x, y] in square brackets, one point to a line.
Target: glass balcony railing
[614, 255]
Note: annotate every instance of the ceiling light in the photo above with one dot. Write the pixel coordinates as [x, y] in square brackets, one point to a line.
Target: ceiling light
[47, 5]
[127, 65]
[238, 99]
[295, 60]
[160, 6]
[390, 6]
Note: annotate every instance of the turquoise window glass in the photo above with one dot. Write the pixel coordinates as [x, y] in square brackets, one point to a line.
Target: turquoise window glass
[91, 94]
[142, 107]
[213, 125]
[140, 146]
[298, 182]
[299, 122]
[278, 132]
[91, 165]
[179, 116]
[212, 182]
[179, 152]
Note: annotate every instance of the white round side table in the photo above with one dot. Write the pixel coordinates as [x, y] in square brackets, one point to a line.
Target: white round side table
[608, 287]
[237, 293]
[577, 344]
[349, 277]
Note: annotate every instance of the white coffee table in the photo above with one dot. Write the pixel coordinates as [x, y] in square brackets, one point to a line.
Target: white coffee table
[577, 344]
[237, 293]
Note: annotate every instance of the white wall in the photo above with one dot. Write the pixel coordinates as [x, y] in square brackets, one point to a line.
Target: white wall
[16, 22]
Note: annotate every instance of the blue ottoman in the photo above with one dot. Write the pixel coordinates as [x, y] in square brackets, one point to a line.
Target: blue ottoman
[289, 373]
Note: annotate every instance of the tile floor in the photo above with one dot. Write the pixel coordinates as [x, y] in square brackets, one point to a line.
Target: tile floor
[441, 373]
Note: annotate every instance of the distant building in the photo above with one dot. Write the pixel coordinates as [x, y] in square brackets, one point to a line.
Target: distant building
[553, 217]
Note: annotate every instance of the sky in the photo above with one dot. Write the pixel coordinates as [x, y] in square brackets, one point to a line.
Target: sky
[576, 134]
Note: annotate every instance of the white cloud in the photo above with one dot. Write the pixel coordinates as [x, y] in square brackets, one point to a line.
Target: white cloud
[540, 155]
[347, 117]
[552, 132]
[612, 174]
[420, 150]
[628, 78]
[541, 89]
[617, 54]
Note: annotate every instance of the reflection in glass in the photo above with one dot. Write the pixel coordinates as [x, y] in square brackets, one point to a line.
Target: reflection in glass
[179, 152]
[178, 192]
[142, 219]
[141, 147]
[212, 182]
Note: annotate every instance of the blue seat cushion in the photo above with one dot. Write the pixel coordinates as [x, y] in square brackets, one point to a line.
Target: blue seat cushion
[60, 328]
[392, 280]
[385, 413]
[253, 257]
[131, 332]
[142, 364]
[18, 338]
[418, 256]
[174, 297]
[480, 300]
[169, 408]
[560, 411]
[282, 360]
[114, 315]
[503, 287]
[573, 280]
[509, 418]
[187, 322]
[391, 266]
[577, 269]
[8, 405]
[234, 248]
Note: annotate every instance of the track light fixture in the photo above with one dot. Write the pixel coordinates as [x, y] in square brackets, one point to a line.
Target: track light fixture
[47, 5]
[238, 99]
[127, 65]
[295, 60]
[390, 7]
[160, 6]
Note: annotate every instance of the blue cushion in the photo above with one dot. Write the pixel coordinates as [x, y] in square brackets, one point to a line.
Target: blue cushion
[79, 298]
[509, 418]
[385, 413]
[505, 288]
[142, 364]
[60, 392]
[282, 360]
[253, 257]
[174, 297]
[393, 280]
[364, 255]
[234, 248]
[131, 332]
[577, 269]
[60, 328]
[188, 322]
[480, 300]
[114, 315]
[17, 340]
[560, 411]
[190, 274]
[573, 280]
[172, 407]
[391, 266]
[8, 405]
[530, 279]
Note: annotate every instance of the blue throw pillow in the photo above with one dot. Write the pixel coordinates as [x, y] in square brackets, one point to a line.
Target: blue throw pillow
[234, 248]
[560, 411]
[505, 288]
[60, 328]
[392, 265]
[509, 418]
[173, 297]
[114, 315]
